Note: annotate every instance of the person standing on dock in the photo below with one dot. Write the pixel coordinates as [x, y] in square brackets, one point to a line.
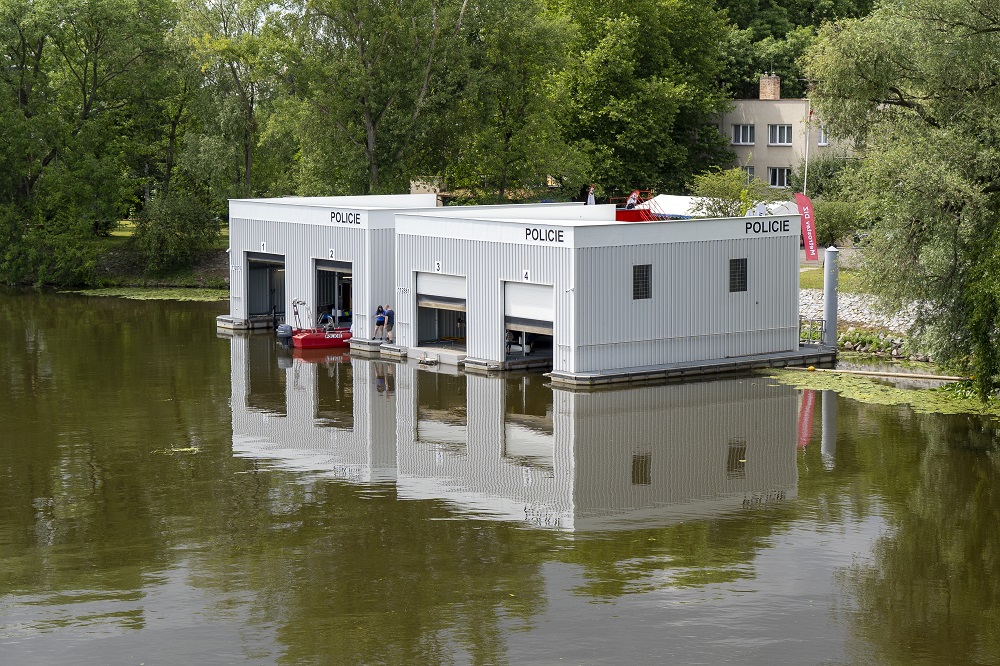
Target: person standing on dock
[379, 323]
[390, 322]
[590, 197]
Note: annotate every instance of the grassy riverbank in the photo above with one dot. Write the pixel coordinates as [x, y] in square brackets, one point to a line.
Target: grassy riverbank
[118, 268]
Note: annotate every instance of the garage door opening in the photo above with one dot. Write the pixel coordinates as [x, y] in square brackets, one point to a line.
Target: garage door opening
[334, 292]
[528, 316]
[265, 286]
[441, 317]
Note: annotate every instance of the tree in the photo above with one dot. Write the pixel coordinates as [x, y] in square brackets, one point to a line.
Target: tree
[915, 84]
[231, 40]
[773, 35]
[511, 139]
[370, 79]
[70, 71]
[641, 90]
[730, 193]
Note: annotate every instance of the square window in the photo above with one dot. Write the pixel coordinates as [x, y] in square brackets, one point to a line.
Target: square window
[748, 171]
[778, 176]
[779, 135]
[737, 275]
[824, 138]
[743, 135]
[642, 281]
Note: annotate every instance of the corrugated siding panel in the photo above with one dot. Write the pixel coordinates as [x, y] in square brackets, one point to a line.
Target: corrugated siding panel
[692, 315]
[370, 252]
[486, 265]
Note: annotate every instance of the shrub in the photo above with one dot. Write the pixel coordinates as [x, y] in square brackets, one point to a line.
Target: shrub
[172, 229]
[834, 220]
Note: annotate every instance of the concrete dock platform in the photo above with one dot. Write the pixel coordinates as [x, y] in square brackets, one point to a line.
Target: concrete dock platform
[806, 355]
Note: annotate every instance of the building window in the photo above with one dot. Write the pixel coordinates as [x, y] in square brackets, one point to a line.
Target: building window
[778, 176]
[743, 135]
[779, 135]
[748, 171]
[642, 469]
[824, 138]
[642, 281]
[737, 275]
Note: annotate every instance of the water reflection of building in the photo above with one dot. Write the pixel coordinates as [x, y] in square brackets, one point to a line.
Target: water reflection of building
[313, 413]
[514, 448]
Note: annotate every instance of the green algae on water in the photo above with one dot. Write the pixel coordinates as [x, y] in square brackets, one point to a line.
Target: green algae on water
[941, 400]
[158, 293]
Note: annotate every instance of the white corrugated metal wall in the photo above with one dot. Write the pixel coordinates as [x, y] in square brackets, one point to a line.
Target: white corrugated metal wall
[486, 266]
[370, 251]
[692, 315]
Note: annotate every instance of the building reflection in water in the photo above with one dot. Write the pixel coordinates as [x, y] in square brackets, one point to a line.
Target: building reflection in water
[513, 448]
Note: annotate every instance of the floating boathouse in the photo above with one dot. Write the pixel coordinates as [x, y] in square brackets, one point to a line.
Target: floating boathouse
[602, 300]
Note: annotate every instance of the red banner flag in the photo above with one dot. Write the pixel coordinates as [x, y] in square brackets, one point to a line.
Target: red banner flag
[806, 417]
[808, 225]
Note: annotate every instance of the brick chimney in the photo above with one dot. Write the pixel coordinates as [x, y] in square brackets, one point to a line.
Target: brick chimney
[770, 86]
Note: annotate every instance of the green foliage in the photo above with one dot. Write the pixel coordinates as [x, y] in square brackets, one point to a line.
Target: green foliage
[172, 229]
[112, 107]
[729, 193]
[915, 85]
[826, 176]
[873, 391]
[513, 140]
[773, 36]
[159, 294]
[835, 220]
[641, 91]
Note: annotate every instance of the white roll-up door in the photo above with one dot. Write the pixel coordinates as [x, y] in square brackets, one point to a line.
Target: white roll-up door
[528, 307]
[444, 292]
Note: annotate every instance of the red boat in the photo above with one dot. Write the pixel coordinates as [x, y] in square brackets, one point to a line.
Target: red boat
[321, 338]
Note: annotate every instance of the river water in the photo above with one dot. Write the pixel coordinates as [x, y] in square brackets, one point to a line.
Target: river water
[171, 496]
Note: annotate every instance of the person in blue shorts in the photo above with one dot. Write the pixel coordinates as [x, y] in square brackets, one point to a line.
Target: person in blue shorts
[379, 323]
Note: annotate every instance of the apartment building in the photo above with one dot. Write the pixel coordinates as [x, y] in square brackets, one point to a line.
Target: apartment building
[772, 136]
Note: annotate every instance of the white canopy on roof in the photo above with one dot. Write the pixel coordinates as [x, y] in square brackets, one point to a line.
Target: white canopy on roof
[676, 205]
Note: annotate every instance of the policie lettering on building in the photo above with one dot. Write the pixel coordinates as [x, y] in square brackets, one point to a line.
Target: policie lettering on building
[768, 226]
[544, 235]
[340, 217]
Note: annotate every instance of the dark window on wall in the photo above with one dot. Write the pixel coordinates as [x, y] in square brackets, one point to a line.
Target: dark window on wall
[642, 281]
[737, 275]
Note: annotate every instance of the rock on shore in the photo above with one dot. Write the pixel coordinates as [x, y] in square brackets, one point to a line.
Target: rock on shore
[856, 310]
